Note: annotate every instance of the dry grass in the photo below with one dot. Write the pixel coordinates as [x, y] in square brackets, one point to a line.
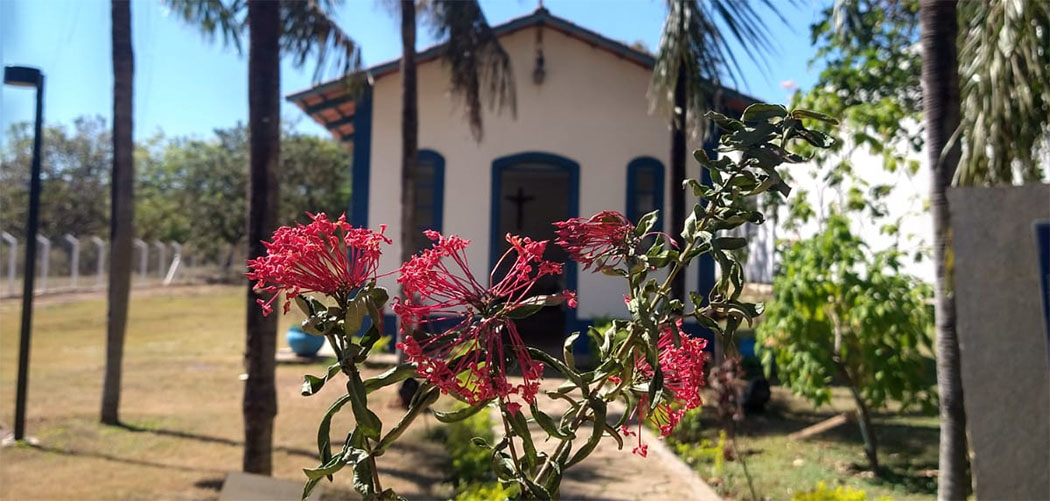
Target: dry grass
[180, 402]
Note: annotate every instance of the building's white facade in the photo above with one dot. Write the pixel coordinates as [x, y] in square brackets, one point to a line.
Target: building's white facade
[567, 150]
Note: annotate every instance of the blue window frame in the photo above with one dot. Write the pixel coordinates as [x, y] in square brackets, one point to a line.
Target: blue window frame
[645, 189]
[430, 195]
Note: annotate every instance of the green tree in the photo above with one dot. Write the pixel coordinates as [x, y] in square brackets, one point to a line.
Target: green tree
[869, 47]
[693, 56]
[74, 178]
[843, 313]
[303, 30]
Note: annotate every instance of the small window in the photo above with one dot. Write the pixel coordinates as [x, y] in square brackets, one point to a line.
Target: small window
[430, 195]
[645, 189]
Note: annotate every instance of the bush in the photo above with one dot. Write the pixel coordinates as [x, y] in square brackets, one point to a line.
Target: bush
[469, 464]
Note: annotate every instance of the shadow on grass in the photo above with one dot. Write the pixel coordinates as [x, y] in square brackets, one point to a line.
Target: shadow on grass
[210, 439]
[118, 459]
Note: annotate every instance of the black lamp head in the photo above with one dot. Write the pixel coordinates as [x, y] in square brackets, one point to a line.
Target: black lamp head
[22, 76]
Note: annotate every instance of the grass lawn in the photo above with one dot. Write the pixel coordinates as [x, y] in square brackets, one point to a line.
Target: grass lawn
[781, 466]
[181, 404]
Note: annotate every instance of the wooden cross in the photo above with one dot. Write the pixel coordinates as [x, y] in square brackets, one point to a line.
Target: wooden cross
[520, 200]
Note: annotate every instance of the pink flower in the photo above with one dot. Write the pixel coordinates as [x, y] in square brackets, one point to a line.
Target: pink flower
[329, 257]
[683, 376]
[602, 241]
[460, 333]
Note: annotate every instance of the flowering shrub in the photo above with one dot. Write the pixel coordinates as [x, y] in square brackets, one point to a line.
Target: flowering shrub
[458, 332]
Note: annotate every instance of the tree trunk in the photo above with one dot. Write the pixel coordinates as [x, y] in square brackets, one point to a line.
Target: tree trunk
[409, 133]
[678, 173]
[122, 209]
[264, 77]
[867, 431]
[940, 88]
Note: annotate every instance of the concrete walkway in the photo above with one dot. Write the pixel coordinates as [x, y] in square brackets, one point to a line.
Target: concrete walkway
[613, 474]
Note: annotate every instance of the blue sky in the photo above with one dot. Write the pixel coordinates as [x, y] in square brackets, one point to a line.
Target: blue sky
[186, 85]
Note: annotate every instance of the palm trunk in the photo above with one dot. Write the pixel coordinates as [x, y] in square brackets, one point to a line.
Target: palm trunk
[122, 209]
[678, 173]
[940, 88]
[264, 76]
[409, 132]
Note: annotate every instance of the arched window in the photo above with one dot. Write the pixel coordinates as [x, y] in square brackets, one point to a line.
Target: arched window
[430, 195]
[645, 189]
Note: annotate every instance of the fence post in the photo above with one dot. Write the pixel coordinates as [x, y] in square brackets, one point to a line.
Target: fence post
[74, 258]
[46, 257]
[176, 259]
[162, 255]
[143, 256]
[100, 246]
[13, 243]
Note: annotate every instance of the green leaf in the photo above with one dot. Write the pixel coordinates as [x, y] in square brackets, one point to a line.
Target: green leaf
[314, 475]
[313, 384]
[324, 439]
[521, 428]
[391, 376]
[355, 313]
[417, 407]
[378, 297]
[367, 421]
[368, 340]
[567, 349]
[548, 425]
[460, 414]
[814, 115]
[534, 304]
[646, 223]
[763, 111]
[332, 466]
[560, 367]
[724, 122]
[599, 408]
[730, 243]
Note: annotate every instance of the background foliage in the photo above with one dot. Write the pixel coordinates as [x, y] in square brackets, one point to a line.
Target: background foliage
[188, 189]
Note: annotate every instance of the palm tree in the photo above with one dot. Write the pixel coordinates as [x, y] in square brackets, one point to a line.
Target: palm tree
[476, 61]
[692, 58]
[301, 29]
[939, 27]
[122, 208]
[409, 130]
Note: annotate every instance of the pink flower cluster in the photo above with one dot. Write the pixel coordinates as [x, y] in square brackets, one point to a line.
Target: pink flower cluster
[682, 366]
[329, 257]
[461, 333]
[602, 240]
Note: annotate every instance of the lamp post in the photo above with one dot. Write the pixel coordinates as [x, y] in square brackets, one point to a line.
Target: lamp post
[21, 76]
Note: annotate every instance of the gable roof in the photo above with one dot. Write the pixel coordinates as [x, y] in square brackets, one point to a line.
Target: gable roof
[332, 105]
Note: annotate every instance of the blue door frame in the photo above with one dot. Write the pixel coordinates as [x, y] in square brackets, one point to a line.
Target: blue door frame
[513, 163]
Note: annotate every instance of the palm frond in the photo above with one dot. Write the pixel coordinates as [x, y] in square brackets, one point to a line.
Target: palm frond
[228, 18]
[1004, 71]
[309, 32]
[481, 69]
[696, 42]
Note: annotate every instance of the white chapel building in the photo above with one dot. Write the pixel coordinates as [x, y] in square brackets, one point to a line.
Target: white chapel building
[583, 141]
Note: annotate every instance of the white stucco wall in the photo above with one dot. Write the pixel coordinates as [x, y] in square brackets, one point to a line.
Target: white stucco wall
[591, 108]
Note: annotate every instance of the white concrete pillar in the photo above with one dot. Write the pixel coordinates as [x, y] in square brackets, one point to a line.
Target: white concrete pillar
[74, 258]
[100, 266]
[12, 242]
[45, 257]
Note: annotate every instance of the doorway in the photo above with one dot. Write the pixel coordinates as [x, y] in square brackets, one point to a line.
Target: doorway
[529, 192]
